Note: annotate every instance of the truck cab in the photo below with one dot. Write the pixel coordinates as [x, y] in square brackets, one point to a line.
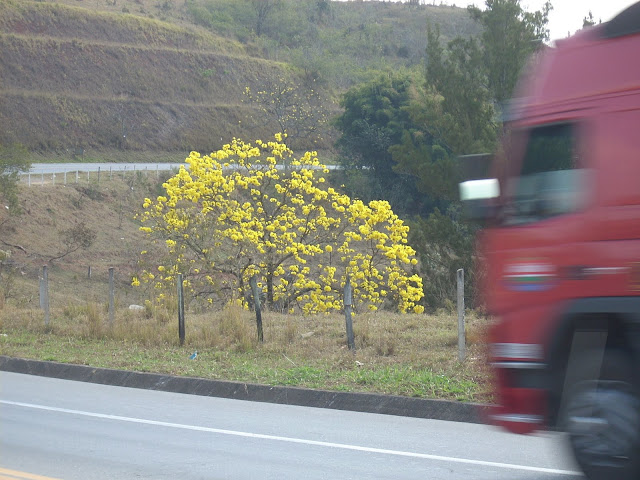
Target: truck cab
[560, 251]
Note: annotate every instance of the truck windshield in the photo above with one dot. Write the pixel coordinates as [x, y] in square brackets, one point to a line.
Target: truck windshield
[550, 182]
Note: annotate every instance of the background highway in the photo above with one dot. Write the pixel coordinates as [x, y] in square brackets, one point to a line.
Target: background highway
[48, 168]
[74, 430]
[57, 168]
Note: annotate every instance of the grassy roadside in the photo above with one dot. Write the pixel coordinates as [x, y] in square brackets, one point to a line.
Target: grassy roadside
[409, 355]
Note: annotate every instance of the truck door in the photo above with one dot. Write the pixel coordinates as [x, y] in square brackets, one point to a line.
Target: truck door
[543, 225]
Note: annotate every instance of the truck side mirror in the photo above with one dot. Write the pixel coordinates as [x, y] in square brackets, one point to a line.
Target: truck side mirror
[478, 197]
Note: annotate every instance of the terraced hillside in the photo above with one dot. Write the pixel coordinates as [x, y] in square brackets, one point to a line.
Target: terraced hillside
[123, 76]
[73, 77]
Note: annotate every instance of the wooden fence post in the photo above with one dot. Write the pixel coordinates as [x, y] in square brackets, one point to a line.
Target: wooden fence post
[44, 294]
[253, 282]
[111, 297]
[461, 328]
[347, 314]
[180, 309]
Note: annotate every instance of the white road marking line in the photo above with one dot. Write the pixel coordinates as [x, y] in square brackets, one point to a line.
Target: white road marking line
[294, 440]
[6, 474]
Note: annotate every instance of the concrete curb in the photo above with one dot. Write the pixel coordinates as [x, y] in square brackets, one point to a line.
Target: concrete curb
[357, 402]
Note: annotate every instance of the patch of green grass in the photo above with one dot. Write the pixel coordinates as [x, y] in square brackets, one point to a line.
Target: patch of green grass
[317, 363]
[409, 381]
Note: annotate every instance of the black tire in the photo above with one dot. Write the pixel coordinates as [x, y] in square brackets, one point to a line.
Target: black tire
[602, 417]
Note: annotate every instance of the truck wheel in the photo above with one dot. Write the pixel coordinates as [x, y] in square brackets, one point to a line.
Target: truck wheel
[602, 418]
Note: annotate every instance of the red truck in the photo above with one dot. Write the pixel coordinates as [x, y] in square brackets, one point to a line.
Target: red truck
[561, 249]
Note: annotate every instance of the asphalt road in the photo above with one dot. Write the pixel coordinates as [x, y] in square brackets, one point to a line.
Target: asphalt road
[76, 430]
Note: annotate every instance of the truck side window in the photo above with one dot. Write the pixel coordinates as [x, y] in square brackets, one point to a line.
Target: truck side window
[550, 182]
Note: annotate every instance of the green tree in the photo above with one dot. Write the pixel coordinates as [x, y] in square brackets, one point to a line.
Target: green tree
[14, 159]
[375, 118]
[264, 10]
[452, 114]
[432, 167]
[456, 104]
[320, 10]
[510, 35]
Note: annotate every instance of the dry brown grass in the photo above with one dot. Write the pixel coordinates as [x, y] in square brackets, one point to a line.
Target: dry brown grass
[305, 351]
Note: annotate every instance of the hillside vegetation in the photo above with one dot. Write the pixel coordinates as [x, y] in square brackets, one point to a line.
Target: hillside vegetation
[72, 77]
[143, 75]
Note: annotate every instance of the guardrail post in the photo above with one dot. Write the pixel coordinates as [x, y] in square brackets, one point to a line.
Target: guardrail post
[180, 309]
[111, 297]
[44, 294]
[461, 328]
[347, 314]
[253, 282]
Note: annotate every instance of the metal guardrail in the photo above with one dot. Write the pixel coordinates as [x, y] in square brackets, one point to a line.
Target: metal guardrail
[49, 168]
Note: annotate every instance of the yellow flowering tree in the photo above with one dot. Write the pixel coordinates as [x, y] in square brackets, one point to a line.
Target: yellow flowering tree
[234, 214]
